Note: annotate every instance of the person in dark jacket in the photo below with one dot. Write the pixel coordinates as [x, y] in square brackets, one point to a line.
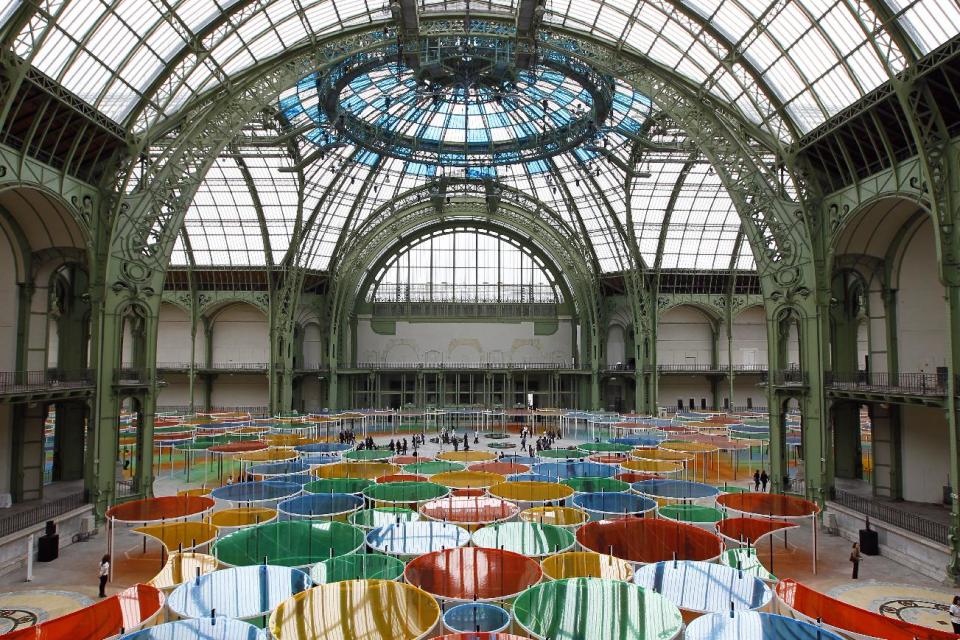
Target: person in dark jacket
[855, 559]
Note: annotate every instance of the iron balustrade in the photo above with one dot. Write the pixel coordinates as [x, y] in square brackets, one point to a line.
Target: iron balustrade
[41, 513]
[463, 309]
[12, 382]
[905, 383]
[924, 527]
[708, 368]
[216, 366]
[131, 375]
[785, 377]
[455, 366]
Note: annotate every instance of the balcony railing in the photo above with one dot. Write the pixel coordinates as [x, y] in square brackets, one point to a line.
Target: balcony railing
[130, 376]
[13, 382]
[925, 528]
[529, 366]
[465, 309]
[932, 384]
[216, 366]
[786, 377]
[41, 513]
[708, 368]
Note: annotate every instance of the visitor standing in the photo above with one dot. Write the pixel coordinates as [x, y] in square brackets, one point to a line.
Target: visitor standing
[764, 479]
[855, 559]
[955, 614]
[104, 574]
[756, 480]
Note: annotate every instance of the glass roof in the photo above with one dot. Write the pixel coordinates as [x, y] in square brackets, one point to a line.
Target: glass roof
[784, 65]
[675, 194]
[463, 265]
[139, 61]
[477, 121]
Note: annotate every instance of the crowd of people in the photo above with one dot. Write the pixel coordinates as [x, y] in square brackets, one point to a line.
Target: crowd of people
[542, 443]
[449, 436]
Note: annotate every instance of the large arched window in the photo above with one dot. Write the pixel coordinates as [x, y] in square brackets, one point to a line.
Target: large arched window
[464, 265]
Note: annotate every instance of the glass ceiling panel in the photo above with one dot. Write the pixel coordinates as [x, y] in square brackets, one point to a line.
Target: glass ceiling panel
[467, 265]
[929, 23]
[815, 55]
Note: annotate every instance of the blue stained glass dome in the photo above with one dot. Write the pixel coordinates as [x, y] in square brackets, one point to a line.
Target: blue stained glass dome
[466, 111]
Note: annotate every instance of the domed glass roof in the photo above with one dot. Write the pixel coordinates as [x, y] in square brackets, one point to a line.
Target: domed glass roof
[466, 110]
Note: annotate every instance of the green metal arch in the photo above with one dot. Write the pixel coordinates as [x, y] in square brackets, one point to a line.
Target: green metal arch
[571, 266]
[556, 274]
[145, 231]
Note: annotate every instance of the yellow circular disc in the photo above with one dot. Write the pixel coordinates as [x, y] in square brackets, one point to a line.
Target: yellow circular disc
[242, 516]
[569, 517]
[652, 466]
[180, 536]
[356, 610]
[689, 447]
[268, 455]
[181, 567]
[467, 479]
[531, 491]
[284, 439]
[467, 456]
[660, 454]
[586, 564]
[366, 470]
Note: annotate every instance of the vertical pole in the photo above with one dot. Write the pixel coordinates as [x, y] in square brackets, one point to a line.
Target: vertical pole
[29, 558]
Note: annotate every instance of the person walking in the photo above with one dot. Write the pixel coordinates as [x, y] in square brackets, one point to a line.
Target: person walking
[855, 559]
[764, 479]
[756, 480]
[104, 574]
[955, 614]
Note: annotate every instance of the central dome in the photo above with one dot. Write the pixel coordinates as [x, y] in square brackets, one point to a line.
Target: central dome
[465, 105]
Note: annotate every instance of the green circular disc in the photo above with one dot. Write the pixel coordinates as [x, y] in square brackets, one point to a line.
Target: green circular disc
[403, 492]
[530, 539]
[288, 543]
[562, 454]
[604, 447]
[577, 608]
[380, 516]
[433, 467]
[357, 566]
[692, 513]
[502, 445]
